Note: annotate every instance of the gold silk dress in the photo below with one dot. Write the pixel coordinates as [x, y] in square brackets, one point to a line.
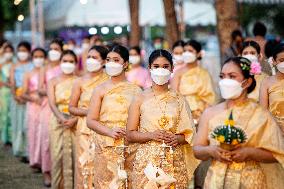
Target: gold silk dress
[62, 140]
[179, 164]
[262, 132]
[255, 93]
[276, 102]
[109, 153]
[85, 136]
[196, 85]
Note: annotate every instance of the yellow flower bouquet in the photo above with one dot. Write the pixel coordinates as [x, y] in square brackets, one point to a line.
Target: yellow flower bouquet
[228, 135]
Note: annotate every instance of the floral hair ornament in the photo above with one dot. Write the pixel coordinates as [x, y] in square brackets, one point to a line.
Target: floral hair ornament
[253, 67]
[228, 135]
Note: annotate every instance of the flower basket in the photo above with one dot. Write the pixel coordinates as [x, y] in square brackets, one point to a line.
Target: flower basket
[228, 135]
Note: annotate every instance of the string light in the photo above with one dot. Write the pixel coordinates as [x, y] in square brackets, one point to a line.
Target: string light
[21, 18]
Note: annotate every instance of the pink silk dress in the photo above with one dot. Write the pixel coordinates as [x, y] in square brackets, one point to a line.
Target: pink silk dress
[139, 76]
[33, 124]
[44, 115]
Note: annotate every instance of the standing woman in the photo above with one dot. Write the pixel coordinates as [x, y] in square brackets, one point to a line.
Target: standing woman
[193, 81]
[62, 124]
[50, 70]
[241, 167]
[177, 51]
[272, 89]
[30, 94]
[160, 117]
[5, 93]
[137, 73]
[251, 51]
[19, 108]
[107, 116]
[78, 106]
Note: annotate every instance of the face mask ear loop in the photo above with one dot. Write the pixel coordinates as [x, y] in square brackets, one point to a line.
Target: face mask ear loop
[243, 82]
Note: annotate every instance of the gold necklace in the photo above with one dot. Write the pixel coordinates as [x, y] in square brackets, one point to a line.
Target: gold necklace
[164, 120]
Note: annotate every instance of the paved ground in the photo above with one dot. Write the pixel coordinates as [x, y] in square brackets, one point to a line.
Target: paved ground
[17, 175]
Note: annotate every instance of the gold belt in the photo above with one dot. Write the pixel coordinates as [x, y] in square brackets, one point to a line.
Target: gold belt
[240, 166]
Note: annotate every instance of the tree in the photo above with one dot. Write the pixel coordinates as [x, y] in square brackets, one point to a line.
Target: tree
[134, 17]
[267, 13]
[227, 21]
[9, 13]
[171, 22]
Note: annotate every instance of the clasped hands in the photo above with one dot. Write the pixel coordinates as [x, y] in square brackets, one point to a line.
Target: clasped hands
[165, 136]
[238, 154]
[68, 122]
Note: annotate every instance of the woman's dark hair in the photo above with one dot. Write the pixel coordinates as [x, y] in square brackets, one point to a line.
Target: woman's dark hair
[160, 53]
[179, 43]
[269, 47]
[195, 44]
[9, 46]
[122, 51]
[253, 44]
[136, 48]
[69, 52]
[39, 49]
[236, 33]
[59, 42]
[103, 51]
[239, 61]
[25, 44]
[259, 29]
[278, 49]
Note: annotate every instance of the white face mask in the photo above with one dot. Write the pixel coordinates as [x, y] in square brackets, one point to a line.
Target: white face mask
[177, 59]
[54, 55]
[22, 56]
[93, 65]
[71, 47]
[113, 69]
[160, 75]
[85, 46]
[67, 67]
[134, 59]
[8, 56]
[280, 67]
[251, 57]
[230, 89]
[38, 62]
[188, 57]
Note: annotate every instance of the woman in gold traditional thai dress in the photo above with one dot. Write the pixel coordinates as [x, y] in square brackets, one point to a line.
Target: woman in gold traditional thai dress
[50, 70]
[78, 106]
[196, 85]
[107, 116]
[251, 51]
[160, 122]
[194, 82]
[242, 167]
[272, 89]
[62, 124]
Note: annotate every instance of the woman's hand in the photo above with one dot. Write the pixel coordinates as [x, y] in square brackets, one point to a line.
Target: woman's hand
[37, 99]
[219, 154]
[171, 139]
[158, 135]
[20, 100]
[68, 123]
[117, 133]
[240, 154]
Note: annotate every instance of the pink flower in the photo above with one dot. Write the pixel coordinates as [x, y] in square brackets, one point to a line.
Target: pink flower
[255, 68]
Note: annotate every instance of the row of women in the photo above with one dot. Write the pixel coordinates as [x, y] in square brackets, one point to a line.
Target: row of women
[120, 125]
